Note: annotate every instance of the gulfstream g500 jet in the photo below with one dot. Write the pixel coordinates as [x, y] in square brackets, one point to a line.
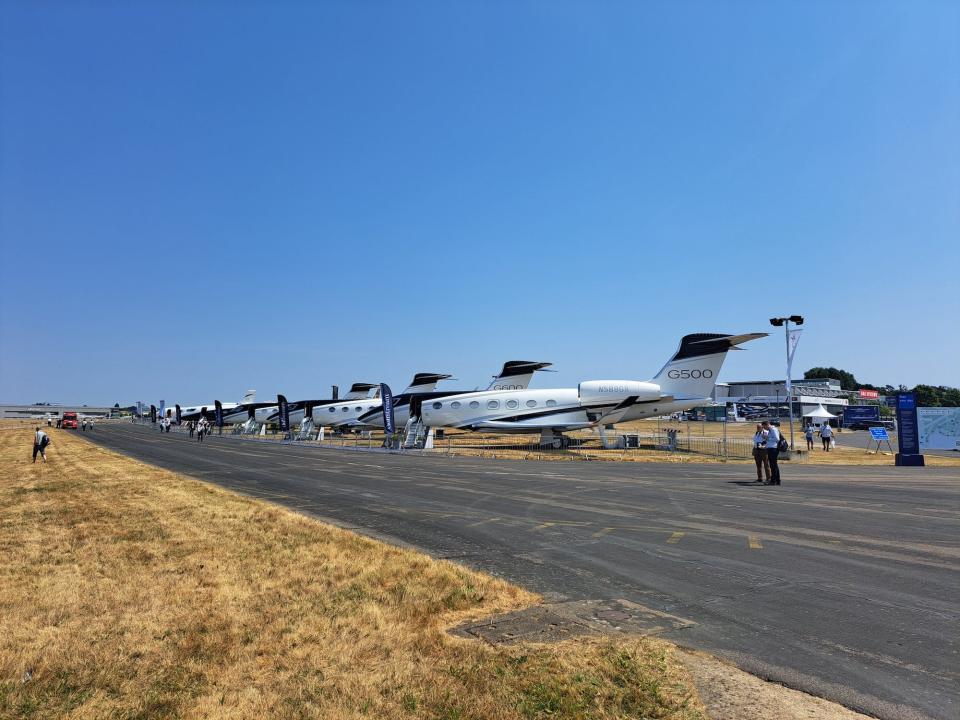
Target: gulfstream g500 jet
[195, 412]
[685, 382]
[347, 414]
[515, 375]
[300, 409]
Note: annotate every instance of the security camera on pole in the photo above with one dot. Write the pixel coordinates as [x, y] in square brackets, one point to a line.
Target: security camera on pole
[792, 337]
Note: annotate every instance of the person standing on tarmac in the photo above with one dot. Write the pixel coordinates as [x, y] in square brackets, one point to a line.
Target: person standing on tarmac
[201, 429]
[190, 427]
[40, 442]
[760, 454]
[773, 451]
[809, 436]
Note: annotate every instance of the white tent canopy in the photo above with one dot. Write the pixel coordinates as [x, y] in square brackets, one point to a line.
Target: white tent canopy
[819, 414]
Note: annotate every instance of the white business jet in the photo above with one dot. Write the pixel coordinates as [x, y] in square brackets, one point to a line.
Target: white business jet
[685, 382]
[515, 375]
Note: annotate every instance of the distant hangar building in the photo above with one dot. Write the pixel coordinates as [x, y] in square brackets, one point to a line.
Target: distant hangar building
[26, 412]
[760, 399]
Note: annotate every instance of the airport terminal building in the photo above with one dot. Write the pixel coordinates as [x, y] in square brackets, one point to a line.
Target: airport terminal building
[760, 399]
[36, 412]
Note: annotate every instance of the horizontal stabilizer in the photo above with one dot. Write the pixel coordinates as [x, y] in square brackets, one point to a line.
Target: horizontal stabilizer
[516, 374]
[362, 390]
[701, 344]
[426, 382]
[512, 368]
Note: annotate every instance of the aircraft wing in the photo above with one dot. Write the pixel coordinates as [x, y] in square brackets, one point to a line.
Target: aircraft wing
[615, 414]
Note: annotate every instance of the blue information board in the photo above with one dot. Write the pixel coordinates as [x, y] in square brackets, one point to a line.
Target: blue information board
[860, 414]
[908, 434]
[879, 433]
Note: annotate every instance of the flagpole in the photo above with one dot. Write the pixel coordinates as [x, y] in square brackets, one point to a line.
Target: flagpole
[786, 328]
[785, 321]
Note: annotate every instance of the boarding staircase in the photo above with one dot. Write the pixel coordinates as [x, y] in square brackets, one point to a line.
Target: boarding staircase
[414, 434]
[306, 428]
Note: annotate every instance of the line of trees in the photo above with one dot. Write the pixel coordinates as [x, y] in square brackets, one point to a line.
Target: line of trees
[927, 395]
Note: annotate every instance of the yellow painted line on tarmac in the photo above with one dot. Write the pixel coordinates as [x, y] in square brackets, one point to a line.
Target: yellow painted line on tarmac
[754, 542]
[483, 522]
[675, 538]
[552, 523]
[630, 528]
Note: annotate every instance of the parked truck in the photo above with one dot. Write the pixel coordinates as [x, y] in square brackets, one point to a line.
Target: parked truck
[69, 421]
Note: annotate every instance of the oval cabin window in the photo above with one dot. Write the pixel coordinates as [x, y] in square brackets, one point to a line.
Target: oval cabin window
[454, 404]
[512, 404]
[437, 406]
[493, 404]
[474, 404]
[551, 403]
[531, 403]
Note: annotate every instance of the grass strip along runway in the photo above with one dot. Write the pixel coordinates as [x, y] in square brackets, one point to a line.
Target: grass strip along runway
[130, 591]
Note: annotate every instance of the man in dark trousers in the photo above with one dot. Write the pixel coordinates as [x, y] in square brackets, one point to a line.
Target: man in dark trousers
[40, 442]
[773, 451]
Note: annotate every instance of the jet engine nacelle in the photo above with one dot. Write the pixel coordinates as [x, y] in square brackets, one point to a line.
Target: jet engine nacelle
[595, 392]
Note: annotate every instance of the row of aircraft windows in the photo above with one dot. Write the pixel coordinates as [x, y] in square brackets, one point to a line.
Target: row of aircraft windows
[357, 408]
[494, 404]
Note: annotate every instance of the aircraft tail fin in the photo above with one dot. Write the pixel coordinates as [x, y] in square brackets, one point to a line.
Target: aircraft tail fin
[692, 371]
[250, 397]
[359, 391]
[426, 382]
[516, 374]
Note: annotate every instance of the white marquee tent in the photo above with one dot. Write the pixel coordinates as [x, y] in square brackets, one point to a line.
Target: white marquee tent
[819, 414]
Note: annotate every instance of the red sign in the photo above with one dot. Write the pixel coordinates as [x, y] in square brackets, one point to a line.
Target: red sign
[869, 394]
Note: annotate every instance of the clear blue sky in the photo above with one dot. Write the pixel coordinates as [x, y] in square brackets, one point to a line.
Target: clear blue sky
[200, 198]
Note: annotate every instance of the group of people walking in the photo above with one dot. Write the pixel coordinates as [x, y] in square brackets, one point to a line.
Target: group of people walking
[202, 428]
[826, 436]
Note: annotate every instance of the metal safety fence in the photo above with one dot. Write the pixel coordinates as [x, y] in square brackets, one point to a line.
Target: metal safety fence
[611, 444]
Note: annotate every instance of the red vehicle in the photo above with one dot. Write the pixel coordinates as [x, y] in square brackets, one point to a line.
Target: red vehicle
[69, 421]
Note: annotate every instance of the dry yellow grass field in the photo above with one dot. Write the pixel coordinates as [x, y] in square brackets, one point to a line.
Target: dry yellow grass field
[130, 592]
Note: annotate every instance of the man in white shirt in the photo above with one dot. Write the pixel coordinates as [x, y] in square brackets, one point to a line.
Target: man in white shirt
[826, 434]
[40, 442]
[773, 451]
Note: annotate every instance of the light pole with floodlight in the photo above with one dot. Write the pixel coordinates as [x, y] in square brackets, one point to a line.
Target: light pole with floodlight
[785, 321]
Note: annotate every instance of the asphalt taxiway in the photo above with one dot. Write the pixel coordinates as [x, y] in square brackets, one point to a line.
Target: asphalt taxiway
[843, 582]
